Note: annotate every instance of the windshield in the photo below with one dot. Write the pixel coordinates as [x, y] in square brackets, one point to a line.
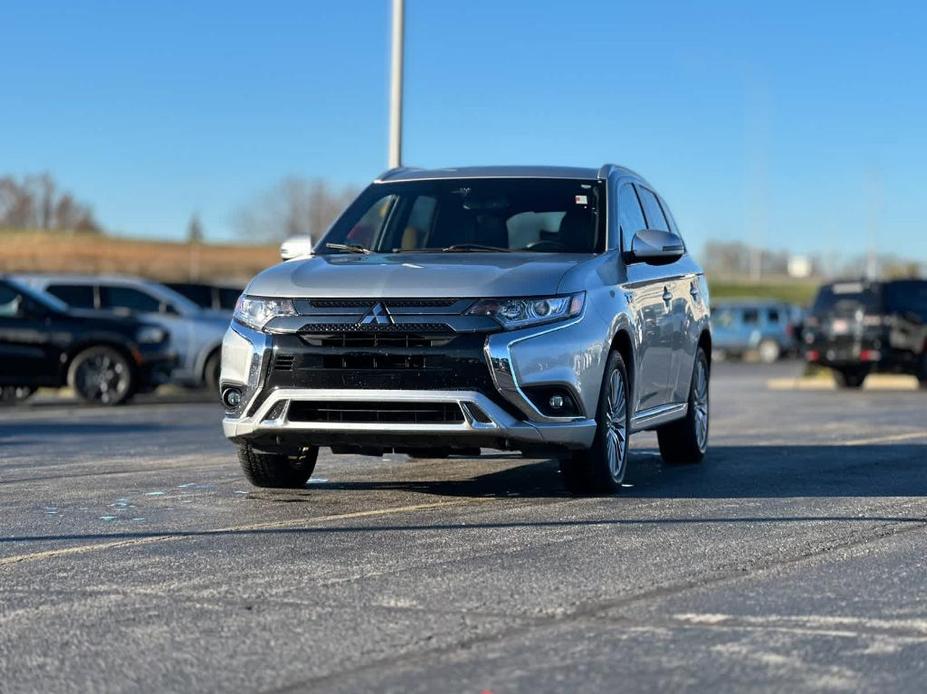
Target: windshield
[907, 297]
[513, 214]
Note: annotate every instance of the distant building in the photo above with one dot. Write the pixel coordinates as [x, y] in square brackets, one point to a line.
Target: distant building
[800, 266]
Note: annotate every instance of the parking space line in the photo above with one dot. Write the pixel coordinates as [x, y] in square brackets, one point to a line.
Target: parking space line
[887, 439]
[186, 535]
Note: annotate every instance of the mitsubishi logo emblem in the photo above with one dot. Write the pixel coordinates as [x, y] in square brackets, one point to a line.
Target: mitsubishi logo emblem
[377, 315]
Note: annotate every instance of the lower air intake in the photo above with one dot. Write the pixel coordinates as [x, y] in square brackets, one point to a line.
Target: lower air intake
[376, 412]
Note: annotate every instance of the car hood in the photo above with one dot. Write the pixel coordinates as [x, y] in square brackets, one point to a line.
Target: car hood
[427, 275]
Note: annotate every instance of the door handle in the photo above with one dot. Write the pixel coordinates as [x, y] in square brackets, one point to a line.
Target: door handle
[667, 295]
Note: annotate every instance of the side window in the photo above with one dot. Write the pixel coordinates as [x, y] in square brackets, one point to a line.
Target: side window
[653, 211]
[11, 302]
[772, 315]
[751, 316]
[127, 299]
[669, 218]
[74, 295]
[630, 217]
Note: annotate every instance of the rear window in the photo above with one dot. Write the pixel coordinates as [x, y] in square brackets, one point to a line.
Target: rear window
[846, 297]
[906, 297]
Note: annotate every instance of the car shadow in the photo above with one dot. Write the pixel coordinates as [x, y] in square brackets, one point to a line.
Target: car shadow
[726, 472]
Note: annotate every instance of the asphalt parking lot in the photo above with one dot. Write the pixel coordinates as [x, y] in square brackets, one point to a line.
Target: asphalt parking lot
[134, 556]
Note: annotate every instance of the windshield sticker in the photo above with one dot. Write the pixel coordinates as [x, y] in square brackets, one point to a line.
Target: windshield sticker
[582, 199]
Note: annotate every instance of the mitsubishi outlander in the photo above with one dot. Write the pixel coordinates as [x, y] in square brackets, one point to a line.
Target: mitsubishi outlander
[553, 311]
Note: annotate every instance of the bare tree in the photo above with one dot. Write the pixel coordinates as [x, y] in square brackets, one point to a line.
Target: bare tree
[195, 230]
[34, 202]
[293, 207]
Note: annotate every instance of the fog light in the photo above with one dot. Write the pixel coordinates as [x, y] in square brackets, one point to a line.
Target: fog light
[231, 397]
[556, 402]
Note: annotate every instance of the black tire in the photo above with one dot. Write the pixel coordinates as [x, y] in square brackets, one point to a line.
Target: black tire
[276, 470]
[211, 371]
[686, 440]
[595, 470]
[850, 378]
[102, 375]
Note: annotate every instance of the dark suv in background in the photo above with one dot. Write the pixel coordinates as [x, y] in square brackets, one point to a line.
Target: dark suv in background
[105, 359]
[860, 327]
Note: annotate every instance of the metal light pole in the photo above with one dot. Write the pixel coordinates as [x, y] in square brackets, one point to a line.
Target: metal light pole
[395, 87]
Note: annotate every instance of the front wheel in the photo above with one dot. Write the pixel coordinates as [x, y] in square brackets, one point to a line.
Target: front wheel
[602, 468]
[278, 470]
[685, 440]
[101, 375]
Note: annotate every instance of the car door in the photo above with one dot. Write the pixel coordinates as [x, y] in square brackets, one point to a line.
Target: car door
[680, 290]
[644, 290]
[27, 355]
[135, 301]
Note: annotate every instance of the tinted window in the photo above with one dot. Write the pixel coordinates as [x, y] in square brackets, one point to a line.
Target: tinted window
[128, 299]
[909, 296]
[10, 302]
[652, 210]
[199, 294]
[630, 217]
[750, 316]
[75, 295]
[228, 298]
[772, 315]
[542, 215]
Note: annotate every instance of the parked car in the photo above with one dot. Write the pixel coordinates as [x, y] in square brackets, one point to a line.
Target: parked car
[104, 359]
[859, 327]
[208, 296]
[761, 327]
[549, 310]
[196, 334]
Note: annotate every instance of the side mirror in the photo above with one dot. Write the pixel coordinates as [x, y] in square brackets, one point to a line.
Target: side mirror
[656, 247]
[296, 247]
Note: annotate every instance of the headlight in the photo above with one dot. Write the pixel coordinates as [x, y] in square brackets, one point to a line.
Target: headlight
[256, 312]
[150, 335]
[520, 313]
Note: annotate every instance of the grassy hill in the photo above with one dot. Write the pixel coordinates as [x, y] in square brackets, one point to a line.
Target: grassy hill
[28, 251]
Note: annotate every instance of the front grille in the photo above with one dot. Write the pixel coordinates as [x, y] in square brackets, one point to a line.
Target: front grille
[311, 330]
[376, 412]
[404, 340]
[389, 303]
[284, 362]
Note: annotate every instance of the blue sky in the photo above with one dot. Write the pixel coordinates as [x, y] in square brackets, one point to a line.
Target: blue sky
[793, 124]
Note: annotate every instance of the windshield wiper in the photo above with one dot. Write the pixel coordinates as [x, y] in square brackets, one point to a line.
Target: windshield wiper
[350, 247]
[474, 247]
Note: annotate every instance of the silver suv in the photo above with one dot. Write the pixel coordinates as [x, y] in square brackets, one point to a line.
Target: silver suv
[548, 310]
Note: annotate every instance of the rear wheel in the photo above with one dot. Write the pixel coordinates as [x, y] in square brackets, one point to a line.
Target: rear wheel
[769, 351]
[686, 440]
[602, 468]
[278, 470]
[850, 378]
[101, 375]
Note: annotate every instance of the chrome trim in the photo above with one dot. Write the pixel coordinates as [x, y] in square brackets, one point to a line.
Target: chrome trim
[657, 416]
[261, 357]
[499, 359]
[575, 434]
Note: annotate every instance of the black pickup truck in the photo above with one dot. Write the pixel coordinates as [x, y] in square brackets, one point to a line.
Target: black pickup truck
[860, 327]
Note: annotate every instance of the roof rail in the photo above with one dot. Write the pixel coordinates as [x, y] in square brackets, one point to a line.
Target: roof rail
[606, 169]
[389, 173]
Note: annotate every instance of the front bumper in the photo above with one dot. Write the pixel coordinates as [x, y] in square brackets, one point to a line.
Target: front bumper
[496, 414]
[154, 366]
